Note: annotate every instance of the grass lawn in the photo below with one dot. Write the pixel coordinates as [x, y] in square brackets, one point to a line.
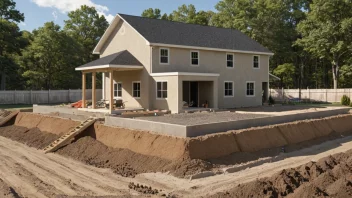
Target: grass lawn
[16, 106]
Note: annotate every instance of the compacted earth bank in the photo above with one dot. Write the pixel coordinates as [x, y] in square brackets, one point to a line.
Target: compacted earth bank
[328, 177]
[90, 151]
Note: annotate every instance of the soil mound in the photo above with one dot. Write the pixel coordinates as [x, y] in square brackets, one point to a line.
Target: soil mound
[6, 191]
[328, 177]
[32, 137]
[125, 162]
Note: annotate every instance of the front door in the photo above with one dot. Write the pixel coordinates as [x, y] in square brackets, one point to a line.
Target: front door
[194, 94]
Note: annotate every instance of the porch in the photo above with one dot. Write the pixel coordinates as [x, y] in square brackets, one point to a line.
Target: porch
[122, 61]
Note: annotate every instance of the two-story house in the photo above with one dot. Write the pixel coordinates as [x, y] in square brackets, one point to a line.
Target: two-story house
[160, 64]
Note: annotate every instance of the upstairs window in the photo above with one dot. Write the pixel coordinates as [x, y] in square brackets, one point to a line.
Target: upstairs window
[229, 60]
[256, 62]
[136, 89]
[117, 90]
[164, 56]
[161, 90]
[250, 89]
[194, 58]
[228, 89]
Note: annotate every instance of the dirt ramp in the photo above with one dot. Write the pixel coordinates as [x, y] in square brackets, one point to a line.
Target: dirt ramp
[212, 146]
[166, 147]
[255, 139]
[49, 124]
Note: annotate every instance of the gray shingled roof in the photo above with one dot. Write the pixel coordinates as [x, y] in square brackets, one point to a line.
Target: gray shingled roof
[122, 58]
[176, 33]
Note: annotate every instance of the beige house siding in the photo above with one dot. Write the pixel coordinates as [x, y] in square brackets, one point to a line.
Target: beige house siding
[124, 37]
[215, 62]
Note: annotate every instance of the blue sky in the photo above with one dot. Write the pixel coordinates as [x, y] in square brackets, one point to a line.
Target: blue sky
[37, 12]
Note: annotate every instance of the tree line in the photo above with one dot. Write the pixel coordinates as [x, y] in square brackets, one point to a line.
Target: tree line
[311, 39]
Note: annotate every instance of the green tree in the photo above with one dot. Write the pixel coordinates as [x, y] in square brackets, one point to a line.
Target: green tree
[285, 72]
[152, 13]
[10, 39]
[326, 32]
[346, 76]
[50, 60]
[189, 14]
[86, 27]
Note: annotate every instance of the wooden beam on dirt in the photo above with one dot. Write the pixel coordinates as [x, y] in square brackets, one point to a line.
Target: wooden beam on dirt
[7, 117]
[83, 90]
[68, 137]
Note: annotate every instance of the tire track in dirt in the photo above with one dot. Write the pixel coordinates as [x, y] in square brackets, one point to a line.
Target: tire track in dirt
[87, 181]
[19, 183]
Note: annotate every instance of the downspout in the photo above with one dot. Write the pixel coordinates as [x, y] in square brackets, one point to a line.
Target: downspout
[151, 59]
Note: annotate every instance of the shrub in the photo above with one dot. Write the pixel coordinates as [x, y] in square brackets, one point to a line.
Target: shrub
[271, 100]
[345, 100]
[351, 104]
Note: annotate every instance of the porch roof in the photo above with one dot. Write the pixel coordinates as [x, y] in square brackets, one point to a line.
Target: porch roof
[120, 60]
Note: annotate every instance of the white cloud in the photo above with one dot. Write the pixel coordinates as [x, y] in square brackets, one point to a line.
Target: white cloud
[54, 13]
[65, 6]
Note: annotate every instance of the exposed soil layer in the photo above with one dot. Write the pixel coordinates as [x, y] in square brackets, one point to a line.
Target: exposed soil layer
[7, 191]
[128, 163]
[328, 177]
[32, 137]
[46, 123]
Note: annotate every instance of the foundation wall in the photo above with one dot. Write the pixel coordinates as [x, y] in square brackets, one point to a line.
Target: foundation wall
[142, 142]
[204, 129]
[48, 124]
[255, 139]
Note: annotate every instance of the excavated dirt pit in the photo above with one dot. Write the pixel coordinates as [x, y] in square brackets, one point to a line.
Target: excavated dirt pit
[32, 137]
[127, 163]
[328, 177]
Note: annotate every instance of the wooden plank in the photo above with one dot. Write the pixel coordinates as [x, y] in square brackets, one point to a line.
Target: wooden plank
[67, 137]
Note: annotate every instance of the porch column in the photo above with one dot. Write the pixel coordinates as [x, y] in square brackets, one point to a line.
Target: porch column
[83, 90]
[111, 99]
[94, 99]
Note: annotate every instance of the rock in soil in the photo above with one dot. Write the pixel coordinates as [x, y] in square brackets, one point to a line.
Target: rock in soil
[143, 189]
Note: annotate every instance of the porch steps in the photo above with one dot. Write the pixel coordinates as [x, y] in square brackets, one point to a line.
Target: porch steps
[7, 116]
[67, 137]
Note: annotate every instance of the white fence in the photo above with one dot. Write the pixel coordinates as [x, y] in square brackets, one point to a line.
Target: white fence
[322, 95]
[45, 96]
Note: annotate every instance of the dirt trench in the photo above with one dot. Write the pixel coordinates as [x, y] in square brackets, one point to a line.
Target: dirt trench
[328, 177]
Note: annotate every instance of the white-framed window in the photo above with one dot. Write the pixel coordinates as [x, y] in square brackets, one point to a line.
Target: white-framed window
[228, 88]
[161, 89]
[250, 88]
[230, 60]
[136, 89]
[256, 60]
[194, 58]
[164, 56]
[117, 89]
